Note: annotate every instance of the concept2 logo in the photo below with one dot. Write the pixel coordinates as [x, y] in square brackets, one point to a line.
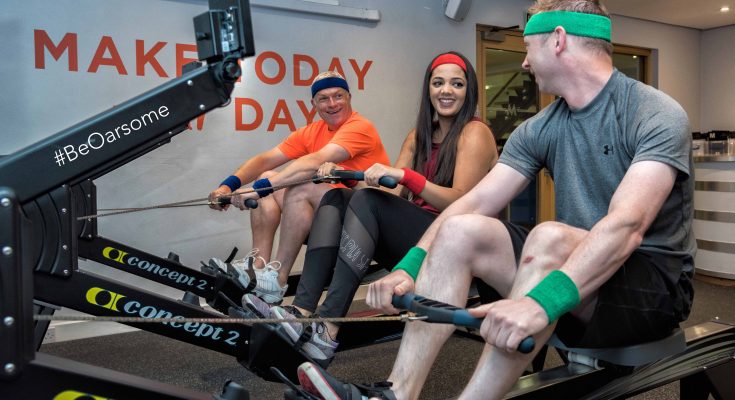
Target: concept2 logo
[103, 298]
[122, 257]
[123, 304]
[74, 395]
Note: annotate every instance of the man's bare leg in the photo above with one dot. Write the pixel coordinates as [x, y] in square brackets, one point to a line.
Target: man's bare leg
[465, 245]
[547, 248]
[264, 222]
[299, 203]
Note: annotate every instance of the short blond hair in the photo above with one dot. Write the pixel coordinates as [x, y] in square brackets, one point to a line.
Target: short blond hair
[327, 74]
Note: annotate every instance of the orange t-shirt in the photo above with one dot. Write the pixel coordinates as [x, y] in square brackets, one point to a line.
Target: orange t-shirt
[357, 135]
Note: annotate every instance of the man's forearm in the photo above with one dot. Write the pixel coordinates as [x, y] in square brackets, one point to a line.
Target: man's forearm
[610, 242]
[299, 170]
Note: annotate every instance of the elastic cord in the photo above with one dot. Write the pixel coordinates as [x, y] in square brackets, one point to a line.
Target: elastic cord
[411, 262]
[263, 187]
[232, 182]
[414, 181]
[556, 294]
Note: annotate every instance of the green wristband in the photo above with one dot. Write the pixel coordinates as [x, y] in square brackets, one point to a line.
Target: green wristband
[411, 262]
[556, 294]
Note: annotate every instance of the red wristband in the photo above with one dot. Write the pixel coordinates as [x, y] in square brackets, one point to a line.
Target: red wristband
[412, 180]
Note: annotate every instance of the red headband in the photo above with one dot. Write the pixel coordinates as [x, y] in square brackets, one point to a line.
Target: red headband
[449, 58]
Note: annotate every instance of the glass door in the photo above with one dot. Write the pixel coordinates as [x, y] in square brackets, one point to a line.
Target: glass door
[510, 96]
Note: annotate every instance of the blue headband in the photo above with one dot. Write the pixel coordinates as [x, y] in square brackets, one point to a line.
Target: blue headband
[326, 83]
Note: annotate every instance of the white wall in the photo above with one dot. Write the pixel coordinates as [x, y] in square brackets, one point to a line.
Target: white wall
[677, 62]
[38, 102]
[718, 80]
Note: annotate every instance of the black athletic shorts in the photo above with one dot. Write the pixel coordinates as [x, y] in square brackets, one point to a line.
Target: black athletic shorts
[518, 236]
[644, 300]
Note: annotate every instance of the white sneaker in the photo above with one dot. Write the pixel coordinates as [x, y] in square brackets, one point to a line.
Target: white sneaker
[267, 287]
[242, 264]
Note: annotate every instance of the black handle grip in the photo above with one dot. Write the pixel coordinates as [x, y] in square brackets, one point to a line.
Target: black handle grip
[439, 312]
[249, 203]
[386, 181]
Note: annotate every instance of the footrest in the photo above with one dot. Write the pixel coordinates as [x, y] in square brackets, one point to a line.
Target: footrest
[270, 347]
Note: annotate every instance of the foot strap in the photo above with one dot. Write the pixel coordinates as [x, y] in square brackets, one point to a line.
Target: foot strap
[251, 274]
[305, 335]
[381, 390]
[231, 256]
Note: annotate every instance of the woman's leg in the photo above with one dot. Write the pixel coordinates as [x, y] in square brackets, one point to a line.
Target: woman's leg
[374, 220]
[321, 250]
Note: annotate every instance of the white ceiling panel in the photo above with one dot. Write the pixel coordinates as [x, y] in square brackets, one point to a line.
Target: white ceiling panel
[699, 14]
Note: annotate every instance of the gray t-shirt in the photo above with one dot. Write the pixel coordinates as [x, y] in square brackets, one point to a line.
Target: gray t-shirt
[588, 151]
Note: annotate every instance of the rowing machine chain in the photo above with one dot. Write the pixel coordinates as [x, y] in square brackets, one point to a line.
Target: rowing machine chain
[198, 202]
[406, 317]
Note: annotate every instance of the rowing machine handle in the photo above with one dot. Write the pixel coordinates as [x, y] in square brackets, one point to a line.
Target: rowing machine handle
[386, 181]
[249, 203]
[436, 311]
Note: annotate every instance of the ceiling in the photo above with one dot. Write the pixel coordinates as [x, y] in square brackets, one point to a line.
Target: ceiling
[699, 14]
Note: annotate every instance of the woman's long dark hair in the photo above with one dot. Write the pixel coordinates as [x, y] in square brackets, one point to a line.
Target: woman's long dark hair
[425, 125]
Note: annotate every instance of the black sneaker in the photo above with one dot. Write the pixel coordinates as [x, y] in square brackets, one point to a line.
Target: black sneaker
[321, 384]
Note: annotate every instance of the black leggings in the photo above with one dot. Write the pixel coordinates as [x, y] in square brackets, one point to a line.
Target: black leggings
[350, 229]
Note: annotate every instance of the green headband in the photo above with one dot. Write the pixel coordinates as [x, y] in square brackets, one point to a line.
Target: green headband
[575, 23]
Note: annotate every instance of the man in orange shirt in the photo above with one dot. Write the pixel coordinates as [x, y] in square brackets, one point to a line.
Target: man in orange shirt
[341, 136]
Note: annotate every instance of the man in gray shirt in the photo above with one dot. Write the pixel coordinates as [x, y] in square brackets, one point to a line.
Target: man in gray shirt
[614, 269]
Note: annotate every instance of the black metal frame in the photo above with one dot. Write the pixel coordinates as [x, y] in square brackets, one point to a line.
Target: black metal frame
[705, 367]
[38, 246]
[219, 290]
[27, 374]
[95, 295]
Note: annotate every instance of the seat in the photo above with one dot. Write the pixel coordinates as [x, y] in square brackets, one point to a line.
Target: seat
[629, 356]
